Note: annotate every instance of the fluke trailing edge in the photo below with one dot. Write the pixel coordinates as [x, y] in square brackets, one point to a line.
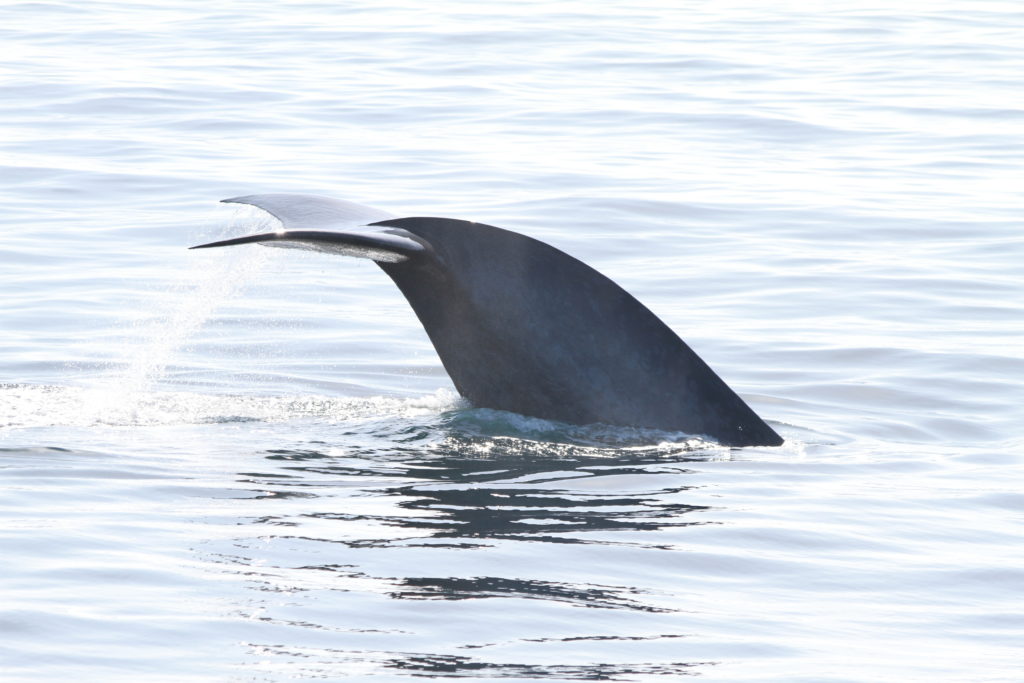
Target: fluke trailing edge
[522, 326]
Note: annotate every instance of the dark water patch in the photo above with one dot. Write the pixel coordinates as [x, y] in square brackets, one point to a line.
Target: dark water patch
[469, 497]
[572, 639]
[452, 588]
[38, 449]
[451, 666]
[299, 455]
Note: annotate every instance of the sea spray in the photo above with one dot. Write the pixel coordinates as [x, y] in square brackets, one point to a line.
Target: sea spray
[207, 281]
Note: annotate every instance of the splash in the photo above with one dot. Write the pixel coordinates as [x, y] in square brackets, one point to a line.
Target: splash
[211, 280]
[486, 432]
[28, 405]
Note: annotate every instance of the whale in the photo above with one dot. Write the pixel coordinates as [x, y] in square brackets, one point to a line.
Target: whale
[521, 326]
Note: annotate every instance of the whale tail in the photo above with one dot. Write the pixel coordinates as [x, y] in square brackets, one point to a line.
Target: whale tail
[391, 246]
[522, 326]
[298, 214]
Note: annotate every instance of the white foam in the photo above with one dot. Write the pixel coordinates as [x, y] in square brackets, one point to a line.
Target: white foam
[27, 406]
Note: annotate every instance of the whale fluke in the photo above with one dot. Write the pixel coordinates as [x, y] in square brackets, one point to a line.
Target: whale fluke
[384, 247]
[524, 327]
[310, 212]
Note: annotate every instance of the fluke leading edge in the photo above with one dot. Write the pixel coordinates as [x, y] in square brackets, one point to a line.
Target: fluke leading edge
[523, 327]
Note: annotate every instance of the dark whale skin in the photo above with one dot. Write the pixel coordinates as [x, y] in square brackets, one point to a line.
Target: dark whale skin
[522, 326]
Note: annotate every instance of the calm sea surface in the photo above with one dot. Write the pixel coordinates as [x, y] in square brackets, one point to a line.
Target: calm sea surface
[249, 464]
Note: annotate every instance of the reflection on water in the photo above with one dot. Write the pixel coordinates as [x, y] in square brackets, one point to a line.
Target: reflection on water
[455, 667]
[533, 499]
[416, 506]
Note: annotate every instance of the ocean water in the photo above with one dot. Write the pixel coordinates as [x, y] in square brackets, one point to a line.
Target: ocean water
[248, 464]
